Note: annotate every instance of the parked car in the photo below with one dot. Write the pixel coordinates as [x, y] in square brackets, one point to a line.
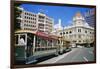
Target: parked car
[68, 49]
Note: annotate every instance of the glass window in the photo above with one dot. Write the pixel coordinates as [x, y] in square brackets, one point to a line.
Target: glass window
[79, 30]
[25, 16]
[22, 40]
[40, 44]
[25, 21]
[16, 39]
[50, 43]
[25, 13]
[63, 32]
[85, 31]
[70, 31]
[66, 32]
[31, 18]
[60, 33]
[22, 36]
[41, 17]
[79, 40]
[79, 36]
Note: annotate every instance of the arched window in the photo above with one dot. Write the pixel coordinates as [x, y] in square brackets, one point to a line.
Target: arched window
[70, 32]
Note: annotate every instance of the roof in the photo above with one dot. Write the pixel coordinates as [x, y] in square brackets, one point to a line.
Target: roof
[78, 14]
[25, 31]
[47, 36]
[40, 34]
[53, 36]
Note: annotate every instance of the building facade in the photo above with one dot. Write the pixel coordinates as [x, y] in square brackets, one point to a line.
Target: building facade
[79, 32]
[29, 21]
[90, 17]
[45, 23]
[35, 22]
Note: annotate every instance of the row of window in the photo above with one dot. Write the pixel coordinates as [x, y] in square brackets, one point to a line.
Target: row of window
[30, 14]
[29, 25]
[70, 37]
[30, 29]
[48, 25]
[41, 17]
[41, 25]
[19, 21]
[65, 33]
[89, 32]
[48, 19]
[30, 18]
[82, 40]
[42, 49]
[41, 44]
[79, 30]
[30, 21]
[41, 20]
[49, 22]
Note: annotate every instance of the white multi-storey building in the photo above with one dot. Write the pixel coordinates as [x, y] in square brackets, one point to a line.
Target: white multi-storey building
[79, 32]
[35, 22]
[29, 21]
[45, 23]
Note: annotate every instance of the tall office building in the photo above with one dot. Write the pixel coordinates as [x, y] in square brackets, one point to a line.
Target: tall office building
[28, 20]
[90, 17]
[35, 22]
[45, 23]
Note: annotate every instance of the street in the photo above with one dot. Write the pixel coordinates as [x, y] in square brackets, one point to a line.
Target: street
[82, 54]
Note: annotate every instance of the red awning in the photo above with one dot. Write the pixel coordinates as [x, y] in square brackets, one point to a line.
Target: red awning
[46, 36]
[43, 35]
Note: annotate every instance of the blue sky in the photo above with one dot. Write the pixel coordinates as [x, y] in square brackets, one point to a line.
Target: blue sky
[65, 13]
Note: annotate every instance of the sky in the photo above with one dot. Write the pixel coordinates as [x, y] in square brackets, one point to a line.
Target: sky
[65, 13]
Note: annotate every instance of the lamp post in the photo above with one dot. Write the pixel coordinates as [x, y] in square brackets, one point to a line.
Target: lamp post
[63, 38]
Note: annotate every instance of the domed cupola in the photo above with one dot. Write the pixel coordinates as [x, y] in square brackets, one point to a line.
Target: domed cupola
[78, 19]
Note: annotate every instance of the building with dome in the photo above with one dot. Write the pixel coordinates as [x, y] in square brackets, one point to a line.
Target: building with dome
[79, 33]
